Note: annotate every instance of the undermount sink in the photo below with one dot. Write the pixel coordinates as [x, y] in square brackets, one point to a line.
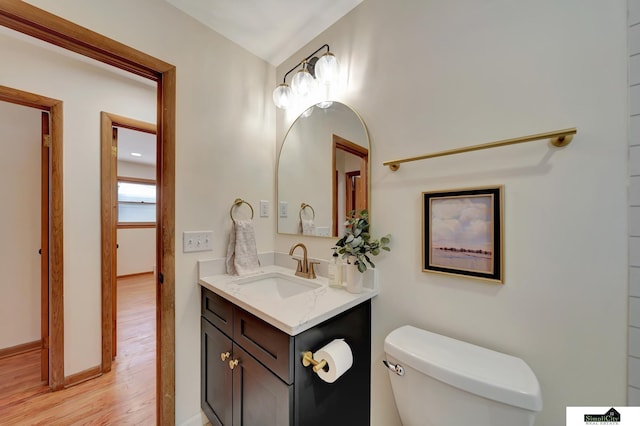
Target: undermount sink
[275, 286]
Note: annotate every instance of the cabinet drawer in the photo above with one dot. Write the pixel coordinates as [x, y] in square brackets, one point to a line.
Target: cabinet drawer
[267, 344]
[218, 311]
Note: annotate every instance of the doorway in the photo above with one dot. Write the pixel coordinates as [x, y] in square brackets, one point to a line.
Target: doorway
[32, 21]
[350, 166]
[129, 216]
[50, 289]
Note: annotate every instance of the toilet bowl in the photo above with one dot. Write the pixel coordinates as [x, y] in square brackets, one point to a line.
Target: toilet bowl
[440, 381]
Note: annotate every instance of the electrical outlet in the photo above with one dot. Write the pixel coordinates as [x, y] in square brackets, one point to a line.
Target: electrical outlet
[322, 231]
[264, 208]
[197, 241]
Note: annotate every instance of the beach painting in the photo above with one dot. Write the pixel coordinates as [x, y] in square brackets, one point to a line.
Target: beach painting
[463, 232]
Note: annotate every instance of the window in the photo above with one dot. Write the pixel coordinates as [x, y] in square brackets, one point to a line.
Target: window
[136, 202]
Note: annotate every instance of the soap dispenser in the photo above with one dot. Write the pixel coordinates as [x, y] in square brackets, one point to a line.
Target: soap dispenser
[335, 271]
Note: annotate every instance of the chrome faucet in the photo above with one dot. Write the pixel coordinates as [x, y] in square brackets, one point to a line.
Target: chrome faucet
[305, 268]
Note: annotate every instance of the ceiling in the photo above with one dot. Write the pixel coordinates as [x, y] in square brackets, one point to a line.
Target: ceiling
[138, 142]
[270, 29]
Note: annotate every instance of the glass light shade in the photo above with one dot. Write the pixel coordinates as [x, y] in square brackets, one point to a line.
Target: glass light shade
[327, 69]
[282, 96]
[303, 83]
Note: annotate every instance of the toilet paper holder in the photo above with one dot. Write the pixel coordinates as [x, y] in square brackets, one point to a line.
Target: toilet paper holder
[307, 360]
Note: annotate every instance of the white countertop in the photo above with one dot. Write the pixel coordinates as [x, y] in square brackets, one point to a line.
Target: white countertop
[294, 314]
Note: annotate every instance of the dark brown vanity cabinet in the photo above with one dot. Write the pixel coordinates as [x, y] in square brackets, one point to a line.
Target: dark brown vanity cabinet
[252, 374]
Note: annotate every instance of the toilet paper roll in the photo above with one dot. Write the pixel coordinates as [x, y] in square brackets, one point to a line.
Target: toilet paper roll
[339, 359]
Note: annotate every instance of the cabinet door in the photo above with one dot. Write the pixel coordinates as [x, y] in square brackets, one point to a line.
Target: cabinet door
[260, 398]
[216, 381]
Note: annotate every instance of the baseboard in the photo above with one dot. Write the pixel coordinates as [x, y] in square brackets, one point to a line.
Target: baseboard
[82, 376]
[197, 420]
[20, 349]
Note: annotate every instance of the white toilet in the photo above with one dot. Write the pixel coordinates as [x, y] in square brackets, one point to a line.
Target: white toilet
[440, 381]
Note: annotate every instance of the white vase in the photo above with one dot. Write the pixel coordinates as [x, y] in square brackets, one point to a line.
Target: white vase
[353, 282]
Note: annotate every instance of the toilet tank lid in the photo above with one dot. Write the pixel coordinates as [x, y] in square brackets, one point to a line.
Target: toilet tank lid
[472, 368]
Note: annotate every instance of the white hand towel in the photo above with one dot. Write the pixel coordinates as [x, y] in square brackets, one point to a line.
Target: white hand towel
[308, 227]
[242, 253]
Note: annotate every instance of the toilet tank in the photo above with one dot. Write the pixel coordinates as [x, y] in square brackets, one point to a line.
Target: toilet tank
[444, 374]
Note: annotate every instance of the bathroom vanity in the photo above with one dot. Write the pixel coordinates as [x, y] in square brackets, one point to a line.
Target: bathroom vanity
[253, 336]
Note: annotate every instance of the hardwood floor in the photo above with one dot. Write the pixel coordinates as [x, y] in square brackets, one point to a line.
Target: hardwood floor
[124, 396]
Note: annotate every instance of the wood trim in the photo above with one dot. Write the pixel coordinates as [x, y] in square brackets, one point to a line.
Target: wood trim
[108, 243]
[137, 274]
[56, 250]
[136, 225]
[111, 177]
[350, 147]
[20, 349]
[136, 180]
[44, 246]
[27, 99]
[82, 376]
[43, 25]
[133, 124]
[38, 23]
[165, 255]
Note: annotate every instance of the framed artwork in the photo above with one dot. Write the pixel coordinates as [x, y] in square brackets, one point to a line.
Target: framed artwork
[462, 232]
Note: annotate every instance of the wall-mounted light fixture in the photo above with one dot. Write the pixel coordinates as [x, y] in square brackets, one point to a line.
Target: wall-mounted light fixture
[316, 75]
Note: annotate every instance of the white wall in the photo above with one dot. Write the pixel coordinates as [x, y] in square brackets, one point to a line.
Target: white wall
[136, 251]
[20, 143]
[432, 75]
[224, 142]
[136, 246]
[136, 170]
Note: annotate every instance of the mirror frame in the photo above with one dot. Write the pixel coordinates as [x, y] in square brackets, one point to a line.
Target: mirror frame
[277, 170]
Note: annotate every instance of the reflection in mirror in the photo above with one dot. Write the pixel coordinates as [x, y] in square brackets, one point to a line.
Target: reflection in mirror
[323, 171]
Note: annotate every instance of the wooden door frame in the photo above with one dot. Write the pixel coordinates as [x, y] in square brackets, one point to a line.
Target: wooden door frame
[45, 171]
[38, 23]
[108, 206]
[342, 144]
[55, 318]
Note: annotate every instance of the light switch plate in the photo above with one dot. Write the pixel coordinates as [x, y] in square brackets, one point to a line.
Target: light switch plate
[284, 209]
[197, 241]
[264, 208]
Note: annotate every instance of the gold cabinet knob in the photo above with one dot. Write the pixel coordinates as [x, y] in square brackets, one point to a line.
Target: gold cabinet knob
[225, 355]
[233, 363]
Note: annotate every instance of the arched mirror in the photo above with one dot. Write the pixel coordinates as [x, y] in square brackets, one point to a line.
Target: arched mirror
[323, 171]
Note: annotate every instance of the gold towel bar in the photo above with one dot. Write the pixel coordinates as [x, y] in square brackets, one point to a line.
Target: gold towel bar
[304, 206]
[237, 203]
[558, 138]
[307, 360]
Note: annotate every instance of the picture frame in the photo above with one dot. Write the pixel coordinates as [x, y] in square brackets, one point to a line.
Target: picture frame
[463, 232]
